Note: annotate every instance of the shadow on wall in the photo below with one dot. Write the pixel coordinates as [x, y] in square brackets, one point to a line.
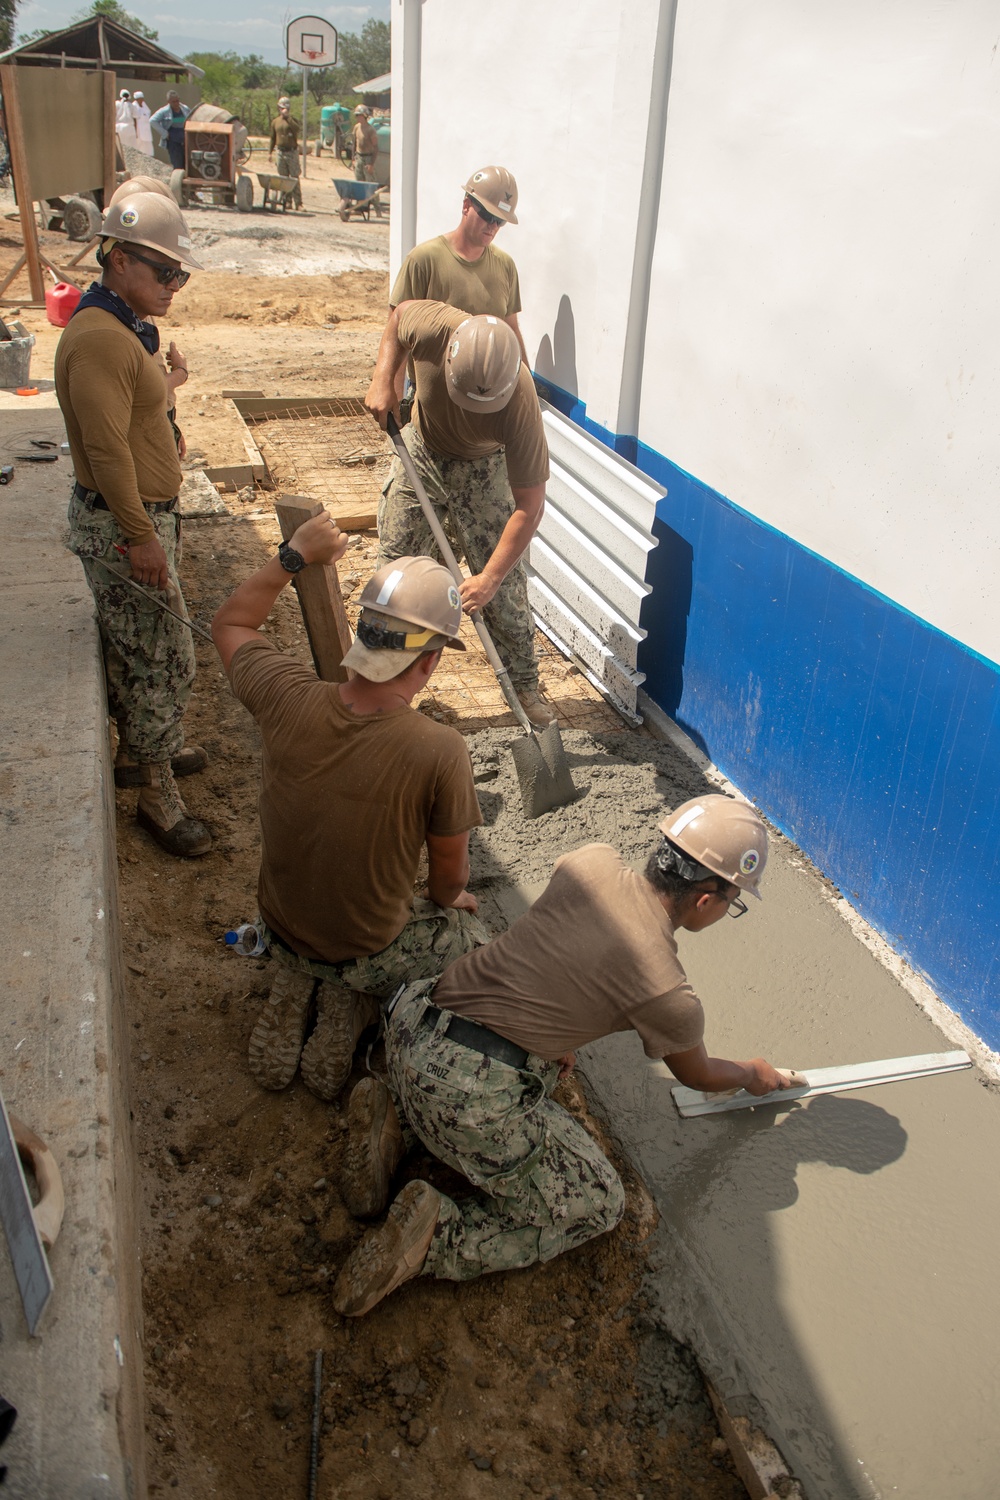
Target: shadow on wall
[664, 616]
[556, 357]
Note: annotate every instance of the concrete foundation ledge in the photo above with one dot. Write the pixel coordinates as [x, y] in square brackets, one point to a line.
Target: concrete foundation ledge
[78, 1385]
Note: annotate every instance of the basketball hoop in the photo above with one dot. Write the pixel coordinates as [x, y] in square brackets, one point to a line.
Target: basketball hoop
[311, 42]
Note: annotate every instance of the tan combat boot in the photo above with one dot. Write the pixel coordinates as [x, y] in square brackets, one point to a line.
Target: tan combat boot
[391, 1254]
[537, 706]
[341, 1017]
[129, 772]
[162, 813]
[374, 1149]
[276, 1040]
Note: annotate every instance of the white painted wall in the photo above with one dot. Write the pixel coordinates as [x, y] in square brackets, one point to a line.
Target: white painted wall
[823, 318]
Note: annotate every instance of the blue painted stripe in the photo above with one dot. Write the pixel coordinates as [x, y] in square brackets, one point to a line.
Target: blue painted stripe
[868, 736]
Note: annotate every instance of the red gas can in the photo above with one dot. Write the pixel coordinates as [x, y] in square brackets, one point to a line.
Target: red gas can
[60, 302]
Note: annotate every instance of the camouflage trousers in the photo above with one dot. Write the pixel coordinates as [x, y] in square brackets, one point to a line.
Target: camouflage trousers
[431, 940]
[546, 1186]
[290, 166]
[149, 661]
[364, 168]
[473, 501]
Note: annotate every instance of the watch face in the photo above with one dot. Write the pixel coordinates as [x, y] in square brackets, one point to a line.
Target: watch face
[291, 561]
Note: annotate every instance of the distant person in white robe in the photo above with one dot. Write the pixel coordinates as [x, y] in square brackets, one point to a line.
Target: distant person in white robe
[143, 129]
[125, 121]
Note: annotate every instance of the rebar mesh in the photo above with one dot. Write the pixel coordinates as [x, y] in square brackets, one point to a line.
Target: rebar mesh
[329, 450]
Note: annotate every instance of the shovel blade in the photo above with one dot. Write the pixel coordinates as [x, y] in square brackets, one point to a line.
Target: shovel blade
[543, 772]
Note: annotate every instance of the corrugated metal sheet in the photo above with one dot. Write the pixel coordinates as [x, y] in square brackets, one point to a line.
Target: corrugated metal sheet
[587, 563]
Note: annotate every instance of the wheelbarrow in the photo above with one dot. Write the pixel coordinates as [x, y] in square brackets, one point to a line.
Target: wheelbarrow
[279, 192]
[358, 198]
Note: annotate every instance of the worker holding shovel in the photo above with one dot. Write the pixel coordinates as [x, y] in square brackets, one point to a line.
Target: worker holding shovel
[474, 1057]
[478, 446]
[354, 786]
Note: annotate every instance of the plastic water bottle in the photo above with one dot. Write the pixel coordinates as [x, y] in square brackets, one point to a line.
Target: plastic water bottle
[246, 940]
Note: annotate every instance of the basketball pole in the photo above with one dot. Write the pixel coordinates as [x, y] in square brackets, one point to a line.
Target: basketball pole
[305, 115]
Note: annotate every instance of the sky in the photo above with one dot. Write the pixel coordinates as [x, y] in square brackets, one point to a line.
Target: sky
[223, 26]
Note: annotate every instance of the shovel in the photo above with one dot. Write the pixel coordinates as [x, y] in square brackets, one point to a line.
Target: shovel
[539, 759]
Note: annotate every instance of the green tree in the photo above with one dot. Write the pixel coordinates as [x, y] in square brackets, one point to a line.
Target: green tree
[8, 10]
[113, 11]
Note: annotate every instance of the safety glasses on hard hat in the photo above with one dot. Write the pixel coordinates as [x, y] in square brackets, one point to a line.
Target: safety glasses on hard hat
[487, 218]
[164, 274]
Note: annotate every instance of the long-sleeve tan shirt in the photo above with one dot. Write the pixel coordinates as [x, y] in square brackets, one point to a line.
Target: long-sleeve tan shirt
[284, 133]
[114, 402]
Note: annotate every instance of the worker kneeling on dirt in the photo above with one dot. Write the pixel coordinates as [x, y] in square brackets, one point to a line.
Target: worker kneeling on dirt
[354, 784]
[123, 516]
[479, 447]
[474, 1057]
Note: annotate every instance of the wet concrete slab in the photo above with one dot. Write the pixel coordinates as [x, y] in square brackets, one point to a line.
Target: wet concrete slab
[833, 1263]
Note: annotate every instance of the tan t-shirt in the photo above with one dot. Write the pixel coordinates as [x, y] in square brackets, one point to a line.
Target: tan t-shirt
[425, 329]
[114, 402]
[433, 272]
[595, 954]
[346, 804]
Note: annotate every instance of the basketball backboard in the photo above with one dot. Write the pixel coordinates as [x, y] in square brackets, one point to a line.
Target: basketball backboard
[311, 42]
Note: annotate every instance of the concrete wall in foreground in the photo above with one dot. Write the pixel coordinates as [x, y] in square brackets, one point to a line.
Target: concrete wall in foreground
[757, 258]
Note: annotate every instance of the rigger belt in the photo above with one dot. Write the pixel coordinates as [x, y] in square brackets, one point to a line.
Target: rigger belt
[479, 1038]
[96, 501]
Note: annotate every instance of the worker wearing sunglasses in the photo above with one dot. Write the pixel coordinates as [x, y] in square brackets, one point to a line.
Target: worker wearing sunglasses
[123, 517]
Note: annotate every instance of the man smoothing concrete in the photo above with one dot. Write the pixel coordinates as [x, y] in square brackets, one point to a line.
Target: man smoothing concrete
[464, 267]
[123, 510]
[354, 784]
[473, 1059]
[479, 447]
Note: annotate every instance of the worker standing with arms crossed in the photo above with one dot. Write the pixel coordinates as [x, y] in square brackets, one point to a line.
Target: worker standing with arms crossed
[123, 514]
[479, 447]
[473, 1059]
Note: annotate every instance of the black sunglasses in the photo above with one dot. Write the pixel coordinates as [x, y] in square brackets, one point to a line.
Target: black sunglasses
[164, 274]
[487, 218]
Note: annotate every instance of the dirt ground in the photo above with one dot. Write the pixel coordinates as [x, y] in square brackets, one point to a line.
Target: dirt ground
[554, 1381]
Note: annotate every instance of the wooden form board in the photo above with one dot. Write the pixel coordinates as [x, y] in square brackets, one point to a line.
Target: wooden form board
[320, 598]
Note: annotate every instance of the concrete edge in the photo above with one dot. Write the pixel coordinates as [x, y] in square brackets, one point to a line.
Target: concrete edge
[64, 1043]
[917, 987]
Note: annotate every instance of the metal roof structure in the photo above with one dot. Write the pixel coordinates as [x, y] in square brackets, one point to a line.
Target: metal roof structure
[380, 85]
[101, 44]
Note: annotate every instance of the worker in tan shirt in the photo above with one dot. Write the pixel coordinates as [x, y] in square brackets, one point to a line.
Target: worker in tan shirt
[474, 1057]
[478, 444]
[285, 138]
[123, 511]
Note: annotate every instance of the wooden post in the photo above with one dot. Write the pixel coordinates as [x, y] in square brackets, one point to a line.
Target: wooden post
[22, 182]
[319, 594]
[110, 137]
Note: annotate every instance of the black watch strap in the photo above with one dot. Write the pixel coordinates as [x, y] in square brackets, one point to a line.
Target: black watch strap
[290, 560]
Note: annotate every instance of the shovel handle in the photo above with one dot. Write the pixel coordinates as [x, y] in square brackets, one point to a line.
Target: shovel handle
[451, 562]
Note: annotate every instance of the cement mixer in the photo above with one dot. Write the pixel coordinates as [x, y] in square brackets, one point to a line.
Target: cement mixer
[216, 148]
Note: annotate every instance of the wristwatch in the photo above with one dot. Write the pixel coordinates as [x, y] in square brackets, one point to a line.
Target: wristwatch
[290, 560]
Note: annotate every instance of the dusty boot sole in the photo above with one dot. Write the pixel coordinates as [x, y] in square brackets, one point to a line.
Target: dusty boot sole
[187, 839]
[391, 1254]
[328, 1055]
[191, 759]
[374, 1149]
[276, 1040]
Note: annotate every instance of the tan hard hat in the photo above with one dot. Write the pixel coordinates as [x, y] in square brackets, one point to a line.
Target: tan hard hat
[496, 190]
[148, 219]
[359, 109]
[140, 185]
[408, 607]
[721, 836]
[483, 363]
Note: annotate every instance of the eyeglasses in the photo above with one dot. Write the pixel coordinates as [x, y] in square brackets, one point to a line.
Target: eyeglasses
[487, 218]
[737, 908]
[164, 274]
